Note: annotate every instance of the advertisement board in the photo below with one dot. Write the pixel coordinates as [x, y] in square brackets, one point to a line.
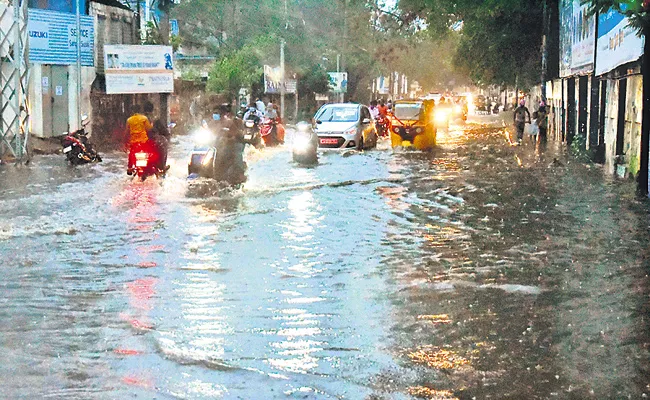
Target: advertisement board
[338, 82]
[53, 38]
[135, 69]
[273, 81]
[577, 39]
[618, 44]
[383, 85]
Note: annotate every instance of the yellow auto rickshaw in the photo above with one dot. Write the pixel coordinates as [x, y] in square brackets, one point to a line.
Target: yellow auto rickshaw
[411, 125]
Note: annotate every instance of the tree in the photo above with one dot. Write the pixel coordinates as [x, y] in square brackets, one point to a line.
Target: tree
[499, 40]
[638, 12]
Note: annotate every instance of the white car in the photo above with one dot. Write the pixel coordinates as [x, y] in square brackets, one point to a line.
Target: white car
[345, 126]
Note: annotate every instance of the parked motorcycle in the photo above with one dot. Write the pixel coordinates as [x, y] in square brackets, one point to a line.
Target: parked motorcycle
[305, 144]
[272, 132]
[76, 147]
[218, 156]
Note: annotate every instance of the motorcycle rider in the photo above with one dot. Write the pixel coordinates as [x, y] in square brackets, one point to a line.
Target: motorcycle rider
[383, 110]
[138, 127]
[374, 110]
[160, 137]
[230, 147]
[253, 113]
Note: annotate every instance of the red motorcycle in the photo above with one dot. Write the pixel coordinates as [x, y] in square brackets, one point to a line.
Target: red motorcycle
[144, 160]
[77, 148]
[272, 132]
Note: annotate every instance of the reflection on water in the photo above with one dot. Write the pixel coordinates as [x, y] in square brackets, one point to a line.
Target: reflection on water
[480, 270]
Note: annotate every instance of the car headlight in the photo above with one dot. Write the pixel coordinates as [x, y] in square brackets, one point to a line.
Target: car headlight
[351, 131]
[203, 136]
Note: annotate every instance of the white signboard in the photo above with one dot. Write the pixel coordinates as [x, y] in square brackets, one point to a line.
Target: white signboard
[577, 38]
[138, 69]
[53, 38]
[338, 82]
[618, 44]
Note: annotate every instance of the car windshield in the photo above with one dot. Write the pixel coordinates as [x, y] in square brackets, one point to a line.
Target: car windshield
[338, 114]
[407, 111]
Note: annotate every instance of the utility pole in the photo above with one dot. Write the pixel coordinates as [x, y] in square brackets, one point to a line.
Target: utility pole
[545, 50]
[282, 80]
[78, 21]
[164, 33]
[338, 71]
[345, 41]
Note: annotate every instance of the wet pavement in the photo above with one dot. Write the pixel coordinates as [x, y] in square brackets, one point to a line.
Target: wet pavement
[481, 270]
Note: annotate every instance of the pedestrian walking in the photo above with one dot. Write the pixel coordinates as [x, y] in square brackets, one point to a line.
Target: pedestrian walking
[520, 119]
[542, 121]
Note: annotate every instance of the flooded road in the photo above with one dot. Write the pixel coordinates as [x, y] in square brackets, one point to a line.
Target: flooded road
[478, 271]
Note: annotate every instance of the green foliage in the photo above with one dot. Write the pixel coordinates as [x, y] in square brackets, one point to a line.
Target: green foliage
[634, 10]
[241, 68]
[498, 40]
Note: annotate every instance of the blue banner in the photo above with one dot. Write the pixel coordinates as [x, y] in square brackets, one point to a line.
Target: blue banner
[53, 38]
[618, 44]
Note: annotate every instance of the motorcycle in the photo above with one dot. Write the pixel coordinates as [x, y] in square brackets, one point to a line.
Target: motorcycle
[442, 115]
[272, 132]
[383, 126]
[305, 144]
[252, 132]
[76, 147]
[148, 157]
[218, 157]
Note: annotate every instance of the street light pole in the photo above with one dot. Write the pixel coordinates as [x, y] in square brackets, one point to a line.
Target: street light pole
[78, 15]
[282, 80]
[338, 71]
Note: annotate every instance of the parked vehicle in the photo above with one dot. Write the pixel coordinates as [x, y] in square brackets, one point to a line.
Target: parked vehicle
[345, 126]
[77, 148]
[411, 127]
[305, 144]
[272, 132]
[218, 155]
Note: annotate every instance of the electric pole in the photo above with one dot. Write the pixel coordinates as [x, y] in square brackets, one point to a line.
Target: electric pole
[282, 80]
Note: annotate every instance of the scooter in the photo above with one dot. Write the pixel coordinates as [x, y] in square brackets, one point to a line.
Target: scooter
[272, 132]
[77, 148]
[218, 157]
[252, 132]
[305, 144]
[383, 127]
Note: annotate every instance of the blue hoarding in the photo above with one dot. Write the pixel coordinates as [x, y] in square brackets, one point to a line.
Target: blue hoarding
[53, 38]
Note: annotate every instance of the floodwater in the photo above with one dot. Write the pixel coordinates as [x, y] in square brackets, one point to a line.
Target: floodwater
[478, 271]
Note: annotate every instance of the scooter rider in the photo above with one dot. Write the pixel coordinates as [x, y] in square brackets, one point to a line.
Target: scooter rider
[230, 147]
[253, 113]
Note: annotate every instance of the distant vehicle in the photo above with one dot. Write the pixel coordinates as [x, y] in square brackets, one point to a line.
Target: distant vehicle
[481, 105]
[345, 126]
[411, 126]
